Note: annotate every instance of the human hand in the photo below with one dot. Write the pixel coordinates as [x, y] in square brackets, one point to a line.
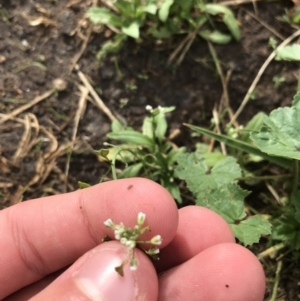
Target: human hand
[51, 249]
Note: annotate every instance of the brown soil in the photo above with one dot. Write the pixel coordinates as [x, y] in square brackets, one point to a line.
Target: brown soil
[39, 43]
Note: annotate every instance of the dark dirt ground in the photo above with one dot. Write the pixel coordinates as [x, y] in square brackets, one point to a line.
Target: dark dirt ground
[39, 43]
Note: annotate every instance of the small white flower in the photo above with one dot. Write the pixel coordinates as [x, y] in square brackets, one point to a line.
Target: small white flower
[149, 108]
[119, 230]
[123, 240]
[130, 244]
[141, 218]
[109, 223]
[156, 240]
[129, 237]
[153, 251]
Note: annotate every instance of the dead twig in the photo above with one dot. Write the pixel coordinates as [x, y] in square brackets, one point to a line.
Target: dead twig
[110, 5]
[84, 44]
[82, 48]
[260, 73]
[224, 81]
[79, 113]
[29, 137]
[100, 104]
[27, 106]
[267, 26]
[184, 46]
[238, 2]
[217, 123]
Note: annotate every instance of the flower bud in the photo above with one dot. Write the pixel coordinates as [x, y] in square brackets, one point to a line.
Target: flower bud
[109, 223]
[156, 240]
[141, 218]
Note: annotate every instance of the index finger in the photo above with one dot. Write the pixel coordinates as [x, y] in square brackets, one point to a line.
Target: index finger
[43, 235]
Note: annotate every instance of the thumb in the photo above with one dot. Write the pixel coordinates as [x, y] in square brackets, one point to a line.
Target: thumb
[93, 277]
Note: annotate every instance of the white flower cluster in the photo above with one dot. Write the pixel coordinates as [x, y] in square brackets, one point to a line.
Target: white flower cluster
[130, 238]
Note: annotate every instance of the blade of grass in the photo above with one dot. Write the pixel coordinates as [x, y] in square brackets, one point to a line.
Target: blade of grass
[242, 146]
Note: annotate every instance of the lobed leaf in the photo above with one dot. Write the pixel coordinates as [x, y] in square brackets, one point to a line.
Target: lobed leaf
[288, 53]
[243, 146]
[296, 100]
[193, 169]
[250, 230]
[227, 200]
[280, 135]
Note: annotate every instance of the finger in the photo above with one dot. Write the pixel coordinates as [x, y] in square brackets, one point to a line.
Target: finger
[220, 273]
[198, 229]
[27, 292]
[44, 235]
[93, 277]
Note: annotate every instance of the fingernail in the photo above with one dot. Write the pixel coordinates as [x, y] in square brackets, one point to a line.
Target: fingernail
[98, 280]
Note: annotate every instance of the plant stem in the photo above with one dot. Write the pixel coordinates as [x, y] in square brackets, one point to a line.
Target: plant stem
[277, 279]
[270, 177]
[296, 176]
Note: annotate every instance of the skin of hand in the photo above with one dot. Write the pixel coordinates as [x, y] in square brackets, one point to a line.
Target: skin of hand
[51, 249]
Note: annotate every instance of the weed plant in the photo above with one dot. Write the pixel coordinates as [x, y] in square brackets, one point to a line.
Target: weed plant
[160, 20]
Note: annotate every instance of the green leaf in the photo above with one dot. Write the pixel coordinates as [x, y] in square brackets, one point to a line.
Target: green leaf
[131, 137]
[167, 109]
[103, 153]
[185, 5]
[296, 100]
[174, 191]
[280, 135]
[150, 8]
[162, 32]
[163, 12]
[295, 200]
[147, 128]
[117, 126]
[174, 154]
[103, 15]
[215, 36]
[254, 125]
[241, 145]
[111, 46]
[83, 185]
[161, 125]
[215, 189]
[233, 26]
[228, 18]
[132, 30]
[193, 169]
[288, 53]
[131, 171]
[250, 230]
[227, 200]
[124, 152]
[288, 230]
